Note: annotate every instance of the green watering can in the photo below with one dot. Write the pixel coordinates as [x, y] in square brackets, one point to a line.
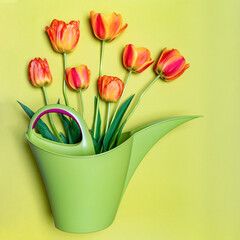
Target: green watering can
[85, 189]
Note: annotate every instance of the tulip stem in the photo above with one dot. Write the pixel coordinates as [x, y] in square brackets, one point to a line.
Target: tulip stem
[143, 93]
[101, 59]
[80, 92]
[108, 114]
[64, 81]
[119, 102]
[98, 97]
[50, 116]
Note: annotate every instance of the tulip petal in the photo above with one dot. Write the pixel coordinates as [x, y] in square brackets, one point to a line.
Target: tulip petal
[100, 83]
[113, 90]
[164, 57]
[84, 73]
[98, 22]
[54, 23]
[46, 69]
[100, 27]
[179, 74]
[76, 78]
[169, 54]
[51, 31]
[73, 79]
[35, 72]
[75, 23]
[129, 56]
[114, 23]
[51, 34]
[145, 66]
[173, 66]
[58, 36]
[70, 37]
[143, 56]
[110, 90]
[119, 31]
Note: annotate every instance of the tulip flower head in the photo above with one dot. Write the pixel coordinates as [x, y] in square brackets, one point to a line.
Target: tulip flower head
[39, 72]
[64, 37]
[110, 88]
[106, 28]
[170, 65]
[136, 59]
[78, 78]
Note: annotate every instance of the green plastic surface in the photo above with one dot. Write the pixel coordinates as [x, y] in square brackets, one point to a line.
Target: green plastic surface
[85, 191]
[85, 147]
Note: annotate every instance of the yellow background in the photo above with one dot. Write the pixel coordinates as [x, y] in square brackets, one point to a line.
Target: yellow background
[187, 187]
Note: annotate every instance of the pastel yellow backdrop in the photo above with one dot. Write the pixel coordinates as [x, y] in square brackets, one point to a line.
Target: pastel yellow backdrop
[187, 187]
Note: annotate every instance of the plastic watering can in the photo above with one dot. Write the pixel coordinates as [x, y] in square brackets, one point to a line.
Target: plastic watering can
[85, 189]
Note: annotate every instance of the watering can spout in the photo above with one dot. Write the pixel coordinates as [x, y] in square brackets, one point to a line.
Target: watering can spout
[143, 139]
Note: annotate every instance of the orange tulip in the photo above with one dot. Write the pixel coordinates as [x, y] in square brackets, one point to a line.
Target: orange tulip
[110, 88]
[170, 65]
[64, 37]
[106, 28]
[78, 78]
[39, 72]
[136, 59]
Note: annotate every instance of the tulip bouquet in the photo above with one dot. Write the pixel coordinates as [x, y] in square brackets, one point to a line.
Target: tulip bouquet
[64, 38]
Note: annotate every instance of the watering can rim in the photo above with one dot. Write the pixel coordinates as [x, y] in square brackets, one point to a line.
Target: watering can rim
[132, 133]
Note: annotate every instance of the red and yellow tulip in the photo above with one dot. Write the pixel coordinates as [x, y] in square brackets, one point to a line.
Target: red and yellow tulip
[170, 65]
[78, 78]
[106, 28]
[64, 37]
[110, 88]
[136, 59]
[39, 72]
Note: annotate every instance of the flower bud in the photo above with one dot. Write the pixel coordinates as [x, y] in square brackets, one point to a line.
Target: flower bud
[110, 88]
[136, 59]
[39, 72]
[78, 78]
[170, 65]
[64, 37]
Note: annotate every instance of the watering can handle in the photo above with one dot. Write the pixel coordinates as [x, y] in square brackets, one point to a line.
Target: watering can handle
[62, 109]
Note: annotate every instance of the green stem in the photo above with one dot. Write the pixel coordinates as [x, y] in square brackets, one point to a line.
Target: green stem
[120, 100]
[50, 116]
[97, 105]
[142, 96]
[64, 81]
[101, 59]
[80, 91]
[108, 114]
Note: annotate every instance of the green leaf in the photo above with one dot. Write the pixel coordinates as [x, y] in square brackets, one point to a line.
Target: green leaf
[99, 122]
[114, 126]
[71, 128]
[65, 122]
[70, 140]
[41, 126]
[75, 132]
[116, 136]
[120, 132]
[98, 144]
[63, 138]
